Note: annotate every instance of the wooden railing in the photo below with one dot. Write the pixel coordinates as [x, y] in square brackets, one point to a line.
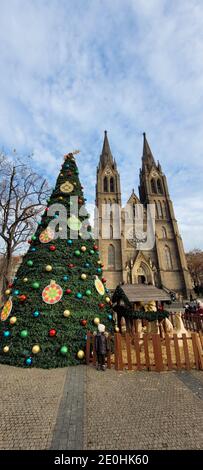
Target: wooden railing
[192, 321]
[150, 352]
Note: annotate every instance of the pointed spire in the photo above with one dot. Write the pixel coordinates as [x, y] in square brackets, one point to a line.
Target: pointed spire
[147, 153]
[106, 155]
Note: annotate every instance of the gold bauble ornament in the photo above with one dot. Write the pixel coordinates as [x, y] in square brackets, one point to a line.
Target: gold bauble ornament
[48, 268]
[83, 276]
[96, 321]
[66, 187]
[116, 329]
[99, 262]
[13, 320]
[36, 349]
[6, 349]
[83, 248]
[108, 300]
[80, 354]
[66, 313]
[8, 291]
[25, 279]
[60, 198]
[61, 174]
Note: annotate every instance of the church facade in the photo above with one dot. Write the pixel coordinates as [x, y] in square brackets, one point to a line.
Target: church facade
[163, 264]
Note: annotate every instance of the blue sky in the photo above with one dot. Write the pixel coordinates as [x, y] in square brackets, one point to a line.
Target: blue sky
[70, 69]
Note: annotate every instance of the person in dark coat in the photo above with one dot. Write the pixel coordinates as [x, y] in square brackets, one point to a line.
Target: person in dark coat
[101, 346]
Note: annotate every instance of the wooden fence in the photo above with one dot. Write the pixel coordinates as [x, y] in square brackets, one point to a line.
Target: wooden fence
[192, 321]
[150, 352]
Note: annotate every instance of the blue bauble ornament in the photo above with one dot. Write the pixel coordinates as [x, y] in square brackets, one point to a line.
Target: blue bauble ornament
[79, 295]
[110, 317]
[33, 249]
[107, 290]
[16, 292]
[6, 333]
[99, 270]
[56, 216]
[70, 242]
[39, 223]
[87, 265]
[65, 278]
[28, 361]
[36, 314]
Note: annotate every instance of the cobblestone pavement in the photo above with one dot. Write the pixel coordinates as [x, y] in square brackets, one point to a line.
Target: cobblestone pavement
[81, 408]
[143, 410]
[68, 431]
[29, 402]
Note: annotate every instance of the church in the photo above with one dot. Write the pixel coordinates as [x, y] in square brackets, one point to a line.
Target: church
[163, 264]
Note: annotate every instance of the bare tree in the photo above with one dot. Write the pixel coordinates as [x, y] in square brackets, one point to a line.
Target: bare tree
[23, 194]
[195, 266]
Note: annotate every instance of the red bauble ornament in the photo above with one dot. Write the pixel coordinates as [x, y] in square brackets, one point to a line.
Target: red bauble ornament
[29, 241]
[47, 209]
[95, 247]
[52, 332]
[68, 291]
[71, 265]
[103, 280]
[101, 305]
[83, 322]
[10, 286]
[80, 201]
[52, 248]
[69, 173]
[22, 297]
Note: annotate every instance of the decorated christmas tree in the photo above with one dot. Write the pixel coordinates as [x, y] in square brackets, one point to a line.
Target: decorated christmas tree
[58, 293]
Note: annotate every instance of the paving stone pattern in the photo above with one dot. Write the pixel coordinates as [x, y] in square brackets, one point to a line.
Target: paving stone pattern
[142, 410]
[68, 431]
[81, 408]
[29, 402]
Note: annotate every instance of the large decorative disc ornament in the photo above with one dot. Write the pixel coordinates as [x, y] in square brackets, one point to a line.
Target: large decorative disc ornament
[66, 187]
[99, 286]
[6, 310]
[74, 223]
[52, 293]
[46, 236]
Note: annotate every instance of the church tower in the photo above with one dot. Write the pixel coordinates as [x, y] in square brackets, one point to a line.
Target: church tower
[172, 271]
[107, 218]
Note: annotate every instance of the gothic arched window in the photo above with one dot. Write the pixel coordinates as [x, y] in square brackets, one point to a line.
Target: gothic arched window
[164, 233]
[159, 187]
[156, 210]
[111, 257]
[105, 184]
[168, 257]
[153, 186]
[111, 232]
[165, 209]
[159, 206]
[112, 185]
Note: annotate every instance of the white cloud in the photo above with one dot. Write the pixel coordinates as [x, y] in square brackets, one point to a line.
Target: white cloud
[72, 69]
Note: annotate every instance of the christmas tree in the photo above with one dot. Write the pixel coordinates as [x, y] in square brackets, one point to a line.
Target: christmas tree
[58, 293]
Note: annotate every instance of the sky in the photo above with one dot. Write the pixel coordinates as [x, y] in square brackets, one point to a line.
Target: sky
[71, 69]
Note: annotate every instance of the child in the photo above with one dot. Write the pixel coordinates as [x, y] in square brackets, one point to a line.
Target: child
[101, 346]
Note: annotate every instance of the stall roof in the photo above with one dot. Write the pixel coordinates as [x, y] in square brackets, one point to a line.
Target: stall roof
[140, 293]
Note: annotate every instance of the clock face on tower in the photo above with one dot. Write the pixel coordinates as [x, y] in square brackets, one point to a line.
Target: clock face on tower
[108, 171]
[154, 173]
[131, 238]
